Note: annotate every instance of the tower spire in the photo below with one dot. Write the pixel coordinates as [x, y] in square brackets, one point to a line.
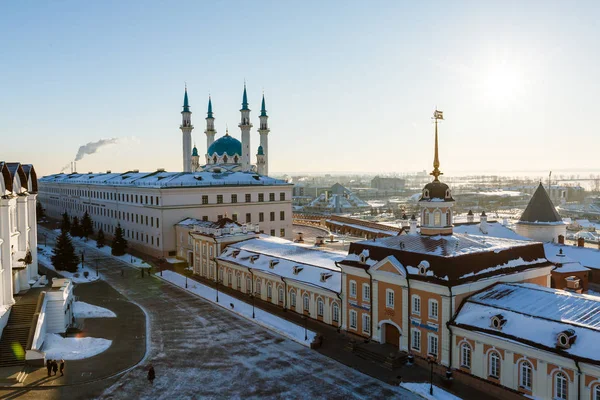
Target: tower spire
[186, 103]
[263, 109]
[245, 99]
[210, 112]
[436, 160]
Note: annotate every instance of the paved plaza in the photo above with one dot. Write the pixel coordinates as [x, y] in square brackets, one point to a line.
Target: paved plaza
[202, 351]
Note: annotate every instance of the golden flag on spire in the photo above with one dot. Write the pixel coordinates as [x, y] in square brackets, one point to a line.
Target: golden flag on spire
[438, 114]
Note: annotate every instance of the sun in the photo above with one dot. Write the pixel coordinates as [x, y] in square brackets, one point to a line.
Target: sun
[502, 82]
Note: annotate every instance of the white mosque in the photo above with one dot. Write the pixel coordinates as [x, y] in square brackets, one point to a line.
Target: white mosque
[226, 154]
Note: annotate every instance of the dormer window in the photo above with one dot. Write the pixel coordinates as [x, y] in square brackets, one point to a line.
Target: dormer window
[426, 193]
[363, 256]
[325, 276]
[235, 253]
[565, 339]
[253, 258]
[297, 270]
[423, 267]
[498, 321]
[273, 263]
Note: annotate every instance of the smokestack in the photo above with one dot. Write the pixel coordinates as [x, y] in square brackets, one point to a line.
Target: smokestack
[470, 217]
[561, 239]
[580, 242]
[413, 225]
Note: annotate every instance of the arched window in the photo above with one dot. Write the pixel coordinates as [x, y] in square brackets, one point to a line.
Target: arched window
[235, 159]
[425, 217]
[465, 355]
[239, 281]
[596, 392]
[225, 158]
[494, 367]
[281, 295]
[306, 301]
[248, 285]
[293, 299]
[229, 278]
[214, 159]
[437, 218]
[269, 290]
[336, 313]
[525, 375]
[320, 307]
[257, 287]
[447, 220]
[560, 386]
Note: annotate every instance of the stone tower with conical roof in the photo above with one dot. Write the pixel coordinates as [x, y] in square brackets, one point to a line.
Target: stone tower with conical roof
[540, 221]
[436, 200]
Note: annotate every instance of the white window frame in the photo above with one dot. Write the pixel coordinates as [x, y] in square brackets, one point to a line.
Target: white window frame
[466, 355]
[525, 375]
[335, 311]
[431, 337]
[353, 320]
[494, 364]
[306, 302]
[269, 290]
[561, 386]
[257, 287]
[366, 292]
[366, 323]
[415, 343]
[597, 392]
[320, 307]
[353, 289]
[433, 305]
[390, 298]
[281, 294]
[293, 299]
[416, 304]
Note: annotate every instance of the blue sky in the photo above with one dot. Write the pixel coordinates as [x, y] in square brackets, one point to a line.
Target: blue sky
[350, 86]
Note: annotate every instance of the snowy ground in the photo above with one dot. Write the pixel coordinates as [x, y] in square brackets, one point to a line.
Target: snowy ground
[85, 310]
[422, 389]
[58, 347]
[45, 254]
[279, 325]
[106, 250]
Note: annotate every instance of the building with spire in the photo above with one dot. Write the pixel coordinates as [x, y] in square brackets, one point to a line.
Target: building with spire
[227, 153]
[186, 129]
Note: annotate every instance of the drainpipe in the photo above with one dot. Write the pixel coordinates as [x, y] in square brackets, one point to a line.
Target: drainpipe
[370, 301]
[449, 370]
[411, 357]
[578, 380]
[285, 292]
[341, 312]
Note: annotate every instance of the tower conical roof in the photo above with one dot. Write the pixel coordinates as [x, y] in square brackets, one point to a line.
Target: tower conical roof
[209, 113]
[540, 208]
[245, 99]
[263, 109]
[186, 103]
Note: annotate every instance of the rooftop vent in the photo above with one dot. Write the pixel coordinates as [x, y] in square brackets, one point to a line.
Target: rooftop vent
[235, 253]
[319, 241]
[325, 276]
[253, 258]
[565, 339]
[160, 170]
[136, 171]
[498, 321]
[273, 263]
[572, 282]
[297, 270]
[108, 171]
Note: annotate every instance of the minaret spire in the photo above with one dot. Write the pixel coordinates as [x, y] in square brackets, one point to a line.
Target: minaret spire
[436, 160]
[263, 131]
[245, 99]
[245, 127]
[210, 127]
[186, 129]
[263, 109]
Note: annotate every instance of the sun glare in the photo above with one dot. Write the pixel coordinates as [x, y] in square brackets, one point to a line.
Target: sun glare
[502, 82]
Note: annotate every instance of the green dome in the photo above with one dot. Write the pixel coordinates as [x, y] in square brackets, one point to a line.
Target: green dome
[260, 151]
[195, 152]
[225, 144]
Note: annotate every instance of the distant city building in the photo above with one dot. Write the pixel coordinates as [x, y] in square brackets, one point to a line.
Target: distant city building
[337, 200]
[381, 183]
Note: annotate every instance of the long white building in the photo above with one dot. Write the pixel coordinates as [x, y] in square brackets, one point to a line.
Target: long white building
[18, 230]
[149, 205]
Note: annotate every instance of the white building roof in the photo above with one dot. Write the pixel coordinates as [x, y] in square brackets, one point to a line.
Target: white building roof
[258, 254]
[493, 229]
[535, 315]
[586, 256]
[161, 179]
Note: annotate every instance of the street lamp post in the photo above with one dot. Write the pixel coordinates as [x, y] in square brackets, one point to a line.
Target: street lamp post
[217, 285]
[431, 359]
[305, 329]
[96, 267]
[253, 316]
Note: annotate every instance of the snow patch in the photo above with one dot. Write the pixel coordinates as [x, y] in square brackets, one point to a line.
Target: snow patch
[85, 310]
[45, 254]
[58, 347]
[422, 389]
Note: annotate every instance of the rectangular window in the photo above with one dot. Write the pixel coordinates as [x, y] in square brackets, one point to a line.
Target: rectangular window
[366, 292]
[204, 199]
[282, 215]
[352, 319]
[205, 218]
[352, 289]
[433, 345]
[272, 215]
[336, 313]
[157, 223]
[416, 340]
[261, 217]
[272, 232]
[433, 309]
[271, 196]
[248, 198]
[389, 298]
[219, 199]
[282, 232]
[261, 197]
[416, 305]
[366, 322]
[281, 196]
[234, 217]
[234, 198]
[248, 218]
[219, 217]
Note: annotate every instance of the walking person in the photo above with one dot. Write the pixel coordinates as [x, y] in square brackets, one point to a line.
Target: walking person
[151, 374]
[49, 366]
[62, 367]
[54, 367]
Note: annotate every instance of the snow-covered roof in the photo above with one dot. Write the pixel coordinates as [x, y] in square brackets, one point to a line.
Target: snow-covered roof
[535, 315]
[313, 266]
[162, 179]
[363, 227]
[586, 256]
[346, 201]
[492, 228]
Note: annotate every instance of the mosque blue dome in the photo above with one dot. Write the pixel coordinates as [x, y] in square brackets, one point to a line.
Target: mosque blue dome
[225, 144]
